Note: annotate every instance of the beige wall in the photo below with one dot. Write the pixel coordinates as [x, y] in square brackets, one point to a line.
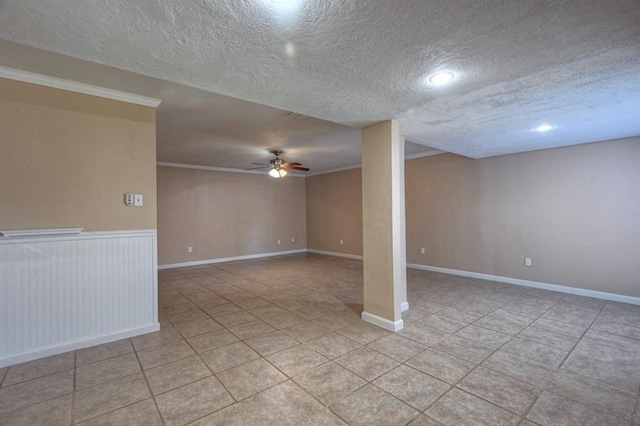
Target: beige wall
[222, 214]
[334, 212]
[66, 160]
[574, 211]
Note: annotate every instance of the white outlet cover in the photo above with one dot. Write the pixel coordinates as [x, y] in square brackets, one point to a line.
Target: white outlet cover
[138, 200]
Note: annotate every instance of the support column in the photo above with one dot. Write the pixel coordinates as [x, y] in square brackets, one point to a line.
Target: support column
[383, 218]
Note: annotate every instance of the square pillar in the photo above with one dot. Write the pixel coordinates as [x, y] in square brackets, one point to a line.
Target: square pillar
[384, 231]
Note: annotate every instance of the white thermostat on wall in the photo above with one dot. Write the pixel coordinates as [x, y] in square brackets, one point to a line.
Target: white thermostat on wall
[129, 199]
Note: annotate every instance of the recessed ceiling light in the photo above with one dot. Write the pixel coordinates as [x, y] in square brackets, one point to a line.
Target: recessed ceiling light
[441, 78]
[543, 128]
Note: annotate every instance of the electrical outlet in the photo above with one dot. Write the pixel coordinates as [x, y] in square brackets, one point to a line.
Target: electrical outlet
[189, 249]
[138, 201]
[278, 241]
[341, 242]
[293, 240]
[527, 261]
[422, 250]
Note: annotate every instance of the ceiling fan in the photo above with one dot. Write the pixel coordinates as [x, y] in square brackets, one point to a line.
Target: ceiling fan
[278, 166]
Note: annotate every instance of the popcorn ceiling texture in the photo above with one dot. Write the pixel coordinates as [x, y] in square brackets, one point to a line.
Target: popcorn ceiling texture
[572, 63]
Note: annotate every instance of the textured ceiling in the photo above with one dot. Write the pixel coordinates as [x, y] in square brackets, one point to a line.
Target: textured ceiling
[574, 64]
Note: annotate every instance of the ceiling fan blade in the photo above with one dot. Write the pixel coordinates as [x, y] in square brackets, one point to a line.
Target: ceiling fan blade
[257, 168]
[261, 164]
[304, 169]
[292, 164]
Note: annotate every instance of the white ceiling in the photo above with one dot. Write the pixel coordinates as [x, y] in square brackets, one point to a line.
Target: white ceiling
[574, 64]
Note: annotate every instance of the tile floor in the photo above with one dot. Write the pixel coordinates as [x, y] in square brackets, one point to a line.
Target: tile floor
[279, 341]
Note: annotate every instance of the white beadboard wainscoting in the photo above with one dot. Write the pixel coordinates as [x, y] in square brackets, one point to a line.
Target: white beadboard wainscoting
[66, 292]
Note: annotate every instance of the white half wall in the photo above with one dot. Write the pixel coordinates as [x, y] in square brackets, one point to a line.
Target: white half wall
[61, 293]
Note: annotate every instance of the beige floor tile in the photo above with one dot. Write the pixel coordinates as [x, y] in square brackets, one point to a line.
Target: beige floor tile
[329, 382]
[504, 391]
[363, 333]
[251, 378]
[322, 418]
[618, 329]
[208, 341]
[175, 374]
[194, 328]
[332, 345]
[189, 316]
[460, 408]
[469, 350]
[106, 397]
[141, 413]
[284, 320]
[423, 420]
[554, 410]
[251, 329]
[547, 337]
[229, 320]
[520, 368]
[232, 415]
[271, 343]
[295, 360]
[53, 412]
[228, 356]
[613, 340]
[397, 347]
[445, 367]
[193, 401]
[367, 363]
[34, 391]
[306, 331]
[253, 302]
[596, 395]
[505, 321]
[38, 368]
[165, 336]
[560, 327]
[220, 310]
[560, 316]
[338, 320]
[102, 352]
[415, 388]
[104, 371]
[423, 334]
[485, 336]
[536, 351]
[164, 354]
[369, 406]
[285, 403]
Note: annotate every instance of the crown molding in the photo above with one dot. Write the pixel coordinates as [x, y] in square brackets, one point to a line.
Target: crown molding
[219, 169]
[74, 86]
[423, 154]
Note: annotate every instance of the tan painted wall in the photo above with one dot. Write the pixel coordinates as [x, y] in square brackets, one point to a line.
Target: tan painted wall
[66, 160]
[334, 212]
[574, 211]
[222, 214]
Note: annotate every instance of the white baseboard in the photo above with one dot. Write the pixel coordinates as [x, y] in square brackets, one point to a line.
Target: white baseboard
[335, 254]
[533, 284]
[383, 322]
[404, 306]
[230, 259]
[78, 344]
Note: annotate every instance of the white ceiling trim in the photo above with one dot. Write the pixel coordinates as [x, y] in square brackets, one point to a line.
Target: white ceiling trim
[74, 86]
[357, 166]
[220, 169]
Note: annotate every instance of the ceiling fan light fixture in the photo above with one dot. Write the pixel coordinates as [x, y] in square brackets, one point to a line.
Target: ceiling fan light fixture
[441, 78]
[277, 173]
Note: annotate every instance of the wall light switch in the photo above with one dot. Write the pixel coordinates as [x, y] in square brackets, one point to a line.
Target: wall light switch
[293, 240]
[189, 249]
[422, 250]
[341, 242]
[138, 200]
[278, 241]
[527, 261]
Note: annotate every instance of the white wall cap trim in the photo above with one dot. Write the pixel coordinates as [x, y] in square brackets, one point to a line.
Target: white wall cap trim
[74, 86]
[80, 236]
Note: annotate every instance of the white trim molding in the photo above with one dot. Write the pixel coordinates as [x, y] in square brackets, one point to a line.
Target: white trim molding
[423, 154]
[383, 322]
[533, 284]
[230, 259]
[220, 169]
[335, 254]
[404, 306]
[74, 86]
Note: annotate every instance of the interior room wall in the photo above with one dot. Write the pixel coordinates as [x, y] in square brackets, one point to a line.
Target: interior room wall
[223, 214]
[574, 211]
[66, 160]
[334, 212]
